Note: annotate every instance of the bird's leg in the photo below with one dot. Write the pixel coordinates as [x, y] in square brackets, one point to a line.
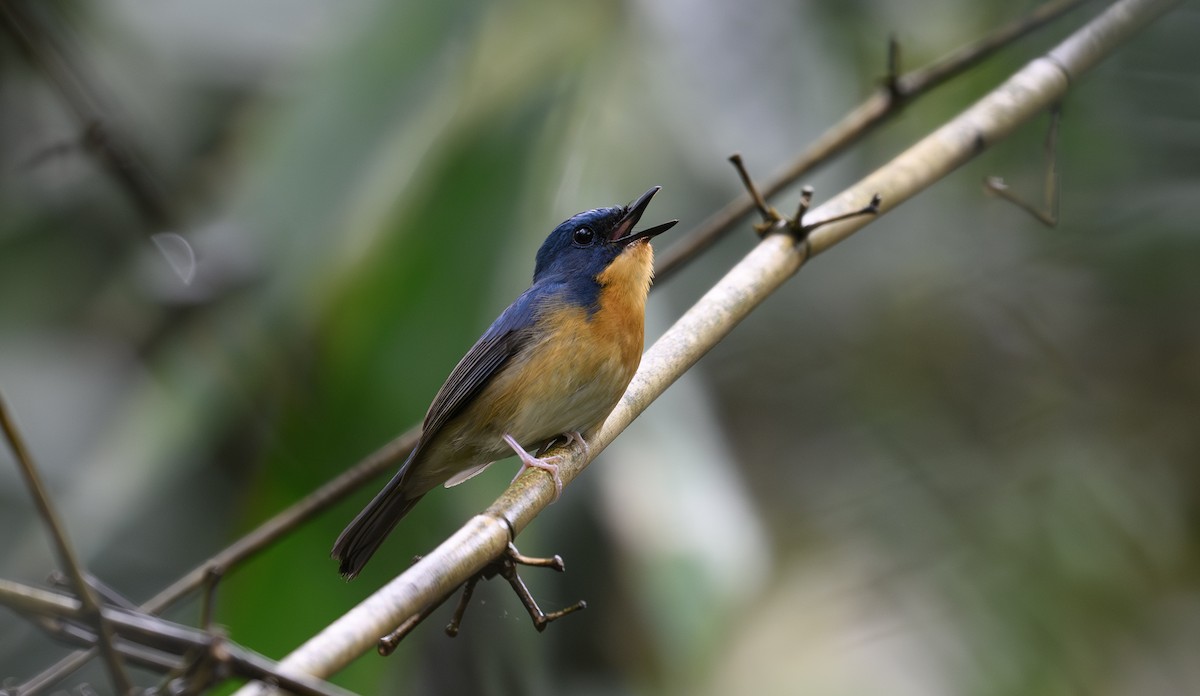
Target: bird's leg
[577, 437]
[571, 437]
[528, 461]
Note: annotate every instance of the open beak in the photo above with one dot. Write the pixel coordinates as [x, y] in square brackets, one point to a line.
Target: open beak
[623, 233]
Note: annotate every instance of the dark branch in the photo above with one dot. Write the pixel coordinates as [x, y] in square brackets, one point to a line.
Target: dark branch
[260, 538]
[115, 154]
[154, 642]
[66, 552]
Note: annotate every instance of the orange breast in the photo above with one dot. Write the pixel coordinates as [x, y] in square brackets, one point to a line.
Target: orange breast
[622, 313]
[573, 376]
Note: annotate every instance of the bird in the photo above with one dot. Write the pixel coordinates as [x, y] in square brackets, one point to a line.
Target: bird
[553, 365]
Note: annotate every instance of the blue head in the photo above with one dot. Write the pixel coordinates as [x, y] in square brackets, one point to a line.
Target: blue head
[581, 248]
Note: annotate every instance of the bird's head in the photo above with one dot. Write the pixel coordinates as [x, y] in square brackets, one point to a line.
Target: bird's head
[588, 243]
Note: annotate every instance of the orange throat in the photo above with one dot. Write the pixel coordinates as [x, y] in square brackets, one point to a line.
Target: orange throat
[622, 311]
[626, 281]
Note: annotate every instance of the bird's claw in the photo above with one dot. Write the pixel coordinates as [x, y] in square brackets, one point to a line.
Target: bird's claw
[548, 464]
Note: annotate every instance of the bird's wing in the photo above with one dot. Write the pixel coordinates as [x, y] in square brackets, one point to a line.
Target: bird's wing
[506, 336]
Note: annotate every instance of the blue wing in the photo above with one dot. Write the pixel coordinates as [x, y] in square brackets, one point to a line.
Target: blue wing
[511, 332]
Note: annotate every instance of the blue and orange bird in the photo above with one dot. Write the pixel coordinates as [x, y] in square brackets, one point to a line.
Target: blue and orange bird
[554, 364]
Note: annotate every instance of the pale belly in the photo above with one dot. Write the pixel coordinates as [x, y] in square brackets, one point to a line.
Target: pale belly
[567, 400]
[570, 400]
[565, 384]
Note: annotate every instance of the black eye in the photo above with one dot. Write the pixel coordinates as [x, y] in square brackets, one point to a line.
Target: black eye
[584, 236]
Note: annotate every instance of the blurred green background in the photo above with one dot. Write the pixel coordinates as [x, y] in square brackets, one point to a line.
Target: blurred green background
[957, 455]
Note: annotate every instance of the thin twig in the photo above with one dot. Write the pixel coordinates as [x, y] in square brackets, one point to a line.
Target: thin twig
[299, 512]
[1028, 92]
[65, 551]
[769, 215]
[209, 601]
[884, 103]
[105, 592]
[871, 208]
[1048, 213]
[167, 637]
[138, 655]
[246, 547]
[388, 644]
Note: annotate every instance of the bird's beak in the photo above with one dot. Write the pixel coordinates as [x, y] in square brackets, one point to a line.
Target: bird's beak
[623, 233]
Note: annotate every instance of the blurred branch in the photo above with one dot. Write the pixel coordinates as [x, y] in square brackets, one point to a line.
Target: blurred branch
[891, 96]
[153, 642]
[244, 548]
[90, 606]
[303, 510]
[1025, 94]
[1048, 213]
[116, 155]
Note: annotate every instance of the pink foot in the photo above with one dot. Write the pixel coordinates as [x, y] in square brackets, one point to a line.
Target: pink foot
[576, 437]
[528, 461]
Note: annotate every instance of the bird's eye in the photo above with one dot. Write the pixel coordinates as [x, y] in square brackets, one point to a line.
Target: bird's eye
[584, 236]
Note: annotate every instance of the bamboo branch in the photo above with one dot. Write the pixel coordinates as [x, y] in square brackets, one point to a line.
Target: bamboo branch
[885, 102]
[1027, 93]
[90, 605]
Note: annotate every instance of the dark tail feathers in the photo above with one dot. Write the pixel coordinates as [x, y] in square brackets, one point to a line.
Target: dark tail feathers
[360, 539]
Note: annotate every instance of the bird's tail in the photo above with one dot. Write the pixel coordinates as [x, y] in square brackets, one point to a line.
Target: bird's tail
[360, 539]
